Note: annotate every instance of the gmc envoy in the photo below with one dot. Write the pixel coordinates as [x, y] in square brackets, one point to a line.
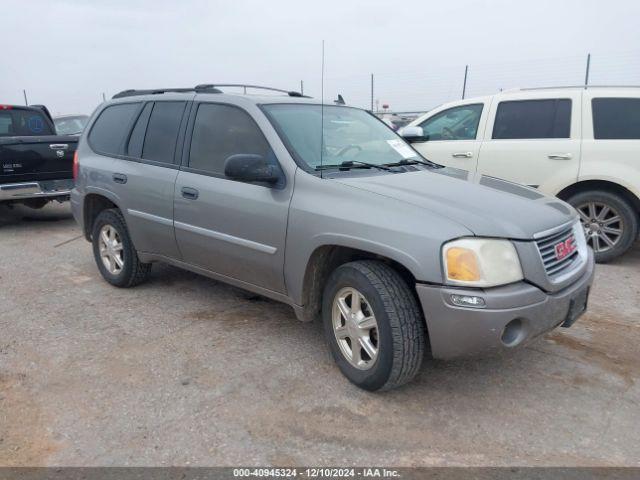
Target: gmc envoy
[325, 208]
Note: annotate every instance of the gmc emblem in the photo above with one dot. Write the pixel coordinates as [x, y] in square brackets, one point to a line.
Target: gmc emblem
[566, 248]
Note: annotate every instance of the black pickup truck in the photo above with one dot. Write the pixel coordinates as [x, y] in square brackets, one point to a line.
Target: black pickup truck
[36, 165]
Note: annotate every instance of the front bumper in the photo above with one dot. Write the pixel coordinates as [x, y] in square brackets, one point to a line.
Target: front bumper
[40, 189]
[456, 332]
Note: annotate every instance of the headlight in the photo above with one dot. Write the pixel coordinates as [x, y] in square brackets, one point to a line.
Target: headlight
[481, 262]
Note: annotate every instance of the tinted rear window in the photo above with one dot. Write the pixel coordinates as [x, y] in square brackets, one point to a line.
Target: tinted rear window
[110, 129]
[162, 131]
[19, 123]
[616, 118]
[522, 119]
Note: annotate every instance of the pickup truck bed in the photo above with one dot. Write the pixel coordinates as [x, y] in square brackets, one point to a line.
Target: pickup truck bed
[36, 165]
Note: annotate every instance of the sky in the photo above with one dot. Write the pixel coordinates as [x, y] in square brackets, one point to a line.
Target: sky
[67, 53]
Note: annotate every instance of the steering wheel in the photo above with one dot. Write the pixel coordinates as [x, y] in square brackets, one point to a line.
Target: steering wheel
[347, 148]
[448, 133]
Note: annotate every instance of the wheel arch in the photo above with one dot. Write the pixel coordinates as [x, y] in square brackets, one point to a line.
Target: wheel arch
[93, 204]
[605, 185]
[325, 259]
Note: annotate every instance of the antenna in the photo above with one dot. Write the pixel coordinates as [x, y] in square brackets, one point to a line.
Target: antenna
[322, 111]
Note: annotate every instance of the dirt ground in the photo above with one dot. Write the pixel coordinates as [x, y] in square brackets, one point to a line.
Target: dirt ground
[187, 371]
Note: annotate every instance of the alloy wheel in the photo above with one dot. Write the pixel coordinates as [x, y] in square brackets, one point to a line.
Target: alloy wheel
[355, 328]
[111, 249]
[603, 225]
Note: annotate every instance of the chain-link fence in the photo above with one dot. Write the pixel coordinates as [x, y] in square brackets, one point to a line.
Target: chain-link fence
[426, 87]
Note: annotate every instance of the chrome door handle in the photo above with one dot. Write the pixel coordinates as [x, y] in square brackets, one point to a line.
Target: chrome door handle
[462, 155]
[58, 146]
[559, 156]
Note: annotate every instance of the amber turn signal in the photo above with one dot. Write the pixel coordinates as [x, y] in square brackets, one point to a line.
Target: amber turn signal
[462, 265]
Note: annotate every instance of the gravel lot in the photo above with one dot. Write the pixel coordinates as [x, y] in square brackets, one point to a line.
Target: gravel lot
[187, 371]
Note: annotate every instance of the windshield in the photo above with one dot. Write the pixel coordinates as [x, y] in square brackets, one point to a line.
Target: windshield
[350, 135]
[70, 125]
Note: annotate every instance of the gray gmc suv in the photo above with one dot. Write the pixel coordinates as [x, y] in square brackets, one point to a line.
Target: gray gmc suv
[325, 208]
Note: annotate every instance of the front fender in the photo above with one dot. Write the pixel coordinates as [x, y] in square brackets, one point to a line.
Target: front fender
[329, 213]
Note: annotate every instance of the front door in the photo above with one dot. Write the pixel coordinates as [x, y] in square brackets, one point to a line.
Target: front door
[232, 228]
[452, 137]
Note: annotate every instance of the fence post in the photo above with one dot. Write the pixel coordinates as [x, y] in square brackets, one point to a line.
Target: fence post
[586, 75]
[464, 84]
[372, 93]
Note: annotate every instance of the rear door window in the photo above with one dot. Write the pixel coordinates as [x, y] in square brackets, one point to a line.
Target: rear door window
[23, 123]
[616, 118]
[162, 131]
[108, 133]
[137, 135]
[527, 119]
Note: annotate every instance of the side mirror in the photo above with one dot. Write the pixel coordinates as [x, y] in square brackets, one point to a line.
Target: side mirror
[248, 167]
[412, 134]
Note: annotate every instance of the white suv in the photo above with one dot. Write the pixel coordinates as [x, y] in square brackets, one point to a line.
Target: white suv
[580, 144]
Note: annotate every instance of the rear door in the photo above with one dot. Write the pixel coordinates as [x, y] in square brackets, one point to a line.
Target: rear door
[143, 169]
[232, 228]
[534, 138]
[29, 148]
[611, 141]
[453, 135]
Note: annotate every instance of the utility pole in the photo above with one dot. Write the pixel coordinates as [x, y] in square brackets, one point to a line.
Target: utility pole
[24, 92]
[586, 75]
[301, 87]
[372, 93]
[104, 97]
[464, 84]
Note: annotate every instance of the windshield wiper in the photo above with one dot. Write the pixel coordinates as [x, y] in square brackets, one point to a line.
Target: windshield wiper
[351, 163]
[413, 161]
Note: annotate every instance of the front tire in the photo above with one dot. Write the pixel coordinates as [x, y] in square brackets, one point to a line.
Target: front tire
[373, 325]
[609, 221]
[114, 252]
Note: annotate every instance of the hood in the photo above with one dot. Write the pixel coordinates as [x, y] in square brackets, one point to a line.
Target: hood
[487, 206]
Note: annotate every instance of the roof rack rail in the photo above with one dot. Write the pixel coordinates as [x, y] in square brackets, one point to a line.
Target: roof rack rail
[572, 86]
[208, 86]
[203, 88]
[158, 91]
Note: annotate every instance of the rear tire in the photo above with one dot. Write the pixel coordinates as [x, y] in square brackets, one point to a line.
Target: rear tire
[609, 220]
[114, 252]
[388, 354]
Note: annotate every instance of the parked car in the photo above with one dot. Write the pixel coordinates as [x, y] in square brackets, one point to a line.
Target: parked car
[70, 124]
[396, 254]
[397, 120]
[35, 162]
[580, 144]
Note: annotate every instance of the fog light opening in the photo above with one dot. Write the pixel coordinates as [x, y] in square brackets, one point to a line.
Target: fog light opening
[513, 333]
[468, 301]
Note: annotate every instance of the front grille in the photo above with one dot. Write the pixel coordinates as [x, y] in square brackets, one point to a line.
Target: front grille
[546, 247]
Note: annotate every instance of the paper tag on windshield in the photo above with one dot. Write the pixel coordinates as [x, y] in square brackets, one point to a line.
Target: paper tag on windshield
[402, 148]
